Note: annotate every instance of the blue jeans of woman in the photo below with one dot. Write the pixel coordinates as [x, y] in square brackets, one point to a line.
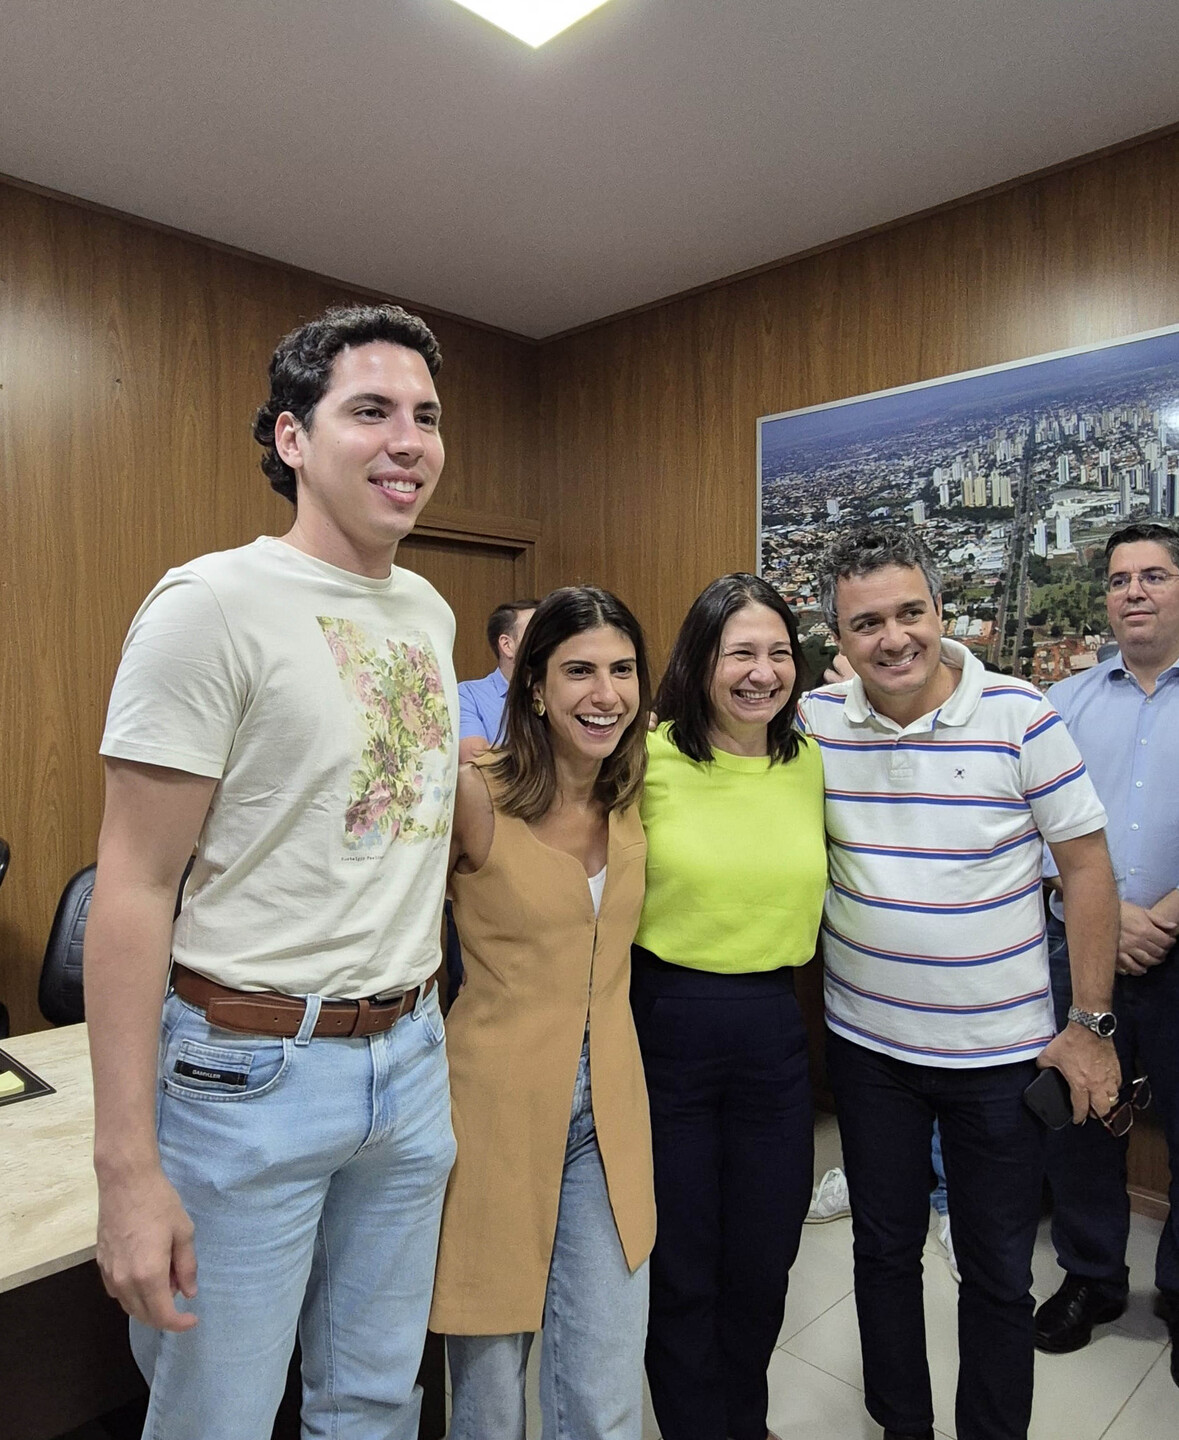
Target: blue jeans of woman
[595, 1316]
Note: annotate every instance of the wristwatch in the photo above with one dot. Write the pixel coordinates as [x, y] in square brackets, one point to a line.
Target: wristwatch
[1103, 1023]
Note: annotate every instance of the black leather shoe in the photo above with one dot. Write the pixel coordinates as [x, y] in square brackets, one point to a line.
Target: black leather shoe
[1065, 1322]
[1166, 1307]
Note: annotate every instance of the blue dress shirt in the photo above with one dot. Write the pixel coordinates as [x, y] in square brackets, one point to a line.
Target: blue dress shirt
[481, 706]
[1130, 744]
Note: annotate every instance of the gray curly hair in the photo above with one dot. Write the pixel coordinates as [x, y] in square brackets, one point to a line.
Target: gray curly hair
[869, 548]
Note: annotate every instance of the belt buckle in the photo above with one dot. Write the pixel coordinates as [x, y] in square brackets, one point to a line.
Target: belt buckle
[386, 997]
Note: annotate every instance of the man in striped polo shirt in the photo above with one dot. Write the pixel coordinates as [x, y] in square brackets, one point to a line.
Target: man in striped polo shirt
[942, 782]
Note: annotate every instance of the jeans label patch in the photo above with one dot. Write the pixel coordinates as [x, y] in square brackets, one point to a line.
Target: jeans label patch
[209, 1072]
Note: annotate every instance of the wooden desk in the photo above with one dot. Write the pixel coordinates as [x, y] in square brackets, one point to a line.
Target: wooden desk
[64, 1356]
[64, 1353]
[48, 1195]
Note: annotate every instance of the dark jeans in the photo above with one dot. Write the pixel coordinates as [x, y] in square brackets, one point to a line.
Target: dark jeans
[1086, 1165]
[993, 1149]
[733, 1131]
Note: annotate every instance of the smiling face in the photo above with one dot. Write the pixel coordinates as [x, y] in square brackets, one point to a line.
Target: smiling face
[1145, 619]
[751, 681]
[590, 693]
[368, 459]
[890, 629]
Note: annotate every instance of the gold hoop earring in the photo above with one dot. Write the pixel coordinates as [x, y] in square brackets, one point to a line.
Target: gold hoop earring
[538, 704]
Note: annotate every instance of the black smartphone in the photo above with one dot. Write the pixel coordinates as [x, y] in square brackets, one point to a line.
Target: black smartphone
[1049, 1099]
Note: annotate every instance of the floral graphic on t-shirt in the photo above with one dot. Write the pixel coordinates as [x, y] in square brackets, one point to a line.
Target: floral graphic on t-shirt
[398, 791]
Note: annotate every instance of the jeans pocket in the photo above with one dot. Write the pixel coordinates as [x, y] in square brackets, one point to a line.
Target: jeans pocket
[195, 1069]
[430, 1014]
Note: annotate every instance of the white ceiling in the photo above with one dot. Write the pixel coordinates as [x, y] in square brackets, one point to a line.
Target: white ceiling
[408, 146]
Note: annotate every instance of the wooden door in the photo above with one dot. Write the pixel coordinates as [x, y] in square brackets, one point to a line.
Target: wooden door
[474, 574]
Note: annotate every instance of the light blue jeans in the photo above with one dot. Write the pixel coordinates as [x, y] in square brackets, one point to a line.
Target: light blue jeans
[313, 1171]
[595, 1321]
[937, 1196]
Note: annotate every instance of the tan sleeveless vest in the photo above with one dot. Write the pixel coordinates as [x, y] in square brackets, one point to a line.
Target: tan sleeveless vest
[537, 963]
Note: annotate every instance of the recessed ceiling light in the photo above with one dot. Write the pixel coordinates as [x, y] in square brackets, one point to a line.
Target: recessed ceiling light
[533, 21]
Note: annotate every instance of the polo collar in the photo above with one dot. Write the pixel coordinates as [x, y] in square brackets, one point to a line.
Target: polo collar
[498, 683]
[957, 710]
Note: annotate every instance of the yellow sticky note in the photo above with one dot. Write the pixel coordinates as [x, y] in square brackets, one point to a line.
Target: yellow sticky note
[10, 1083]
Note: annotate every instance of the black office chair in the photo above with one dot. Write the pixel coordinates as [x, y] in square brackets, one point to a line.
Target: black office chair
[60, 992]
[4, 854]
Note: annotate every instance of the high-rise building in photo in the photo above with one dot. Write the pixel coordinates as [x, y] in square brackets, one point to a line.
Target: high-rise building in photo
[1062, 469]
[1063, 536]
[1040, 539]
[1124, 493]
[1158, 489]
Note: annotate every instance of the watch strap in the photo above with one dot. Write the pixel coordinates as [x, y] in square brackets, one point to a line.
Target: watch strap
[1101, 1022]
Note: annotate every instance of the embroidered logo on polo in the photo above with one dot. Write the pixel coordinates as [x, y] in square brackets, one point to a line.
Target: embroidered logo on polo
[210, 1073]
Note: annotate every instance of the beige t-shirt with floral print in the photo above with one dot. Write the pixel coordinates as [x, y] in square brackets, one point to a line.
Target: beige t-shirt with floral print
[325, 705]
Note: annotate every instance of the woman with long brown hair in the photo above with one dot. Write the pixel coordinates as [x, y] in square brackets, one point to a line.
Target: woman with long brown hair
[549, 1214]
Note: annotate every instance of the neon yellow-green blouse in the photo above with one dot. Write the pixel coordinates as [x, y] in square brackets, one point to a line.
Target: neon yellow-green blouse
[736, 859]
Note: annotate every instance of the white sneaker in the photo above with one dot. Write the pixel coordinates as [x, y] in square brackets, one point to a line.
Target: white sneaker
[946, 1241]
[829, 1201]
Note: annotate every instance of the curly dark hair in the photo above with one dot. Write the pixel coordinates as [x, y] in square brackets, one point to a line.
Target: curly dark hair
[866, 549]
[301, 369]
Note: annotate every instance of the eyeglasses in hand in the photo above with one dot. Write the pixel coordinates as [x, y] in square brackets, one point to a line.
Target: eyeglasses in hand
[1134, 1095]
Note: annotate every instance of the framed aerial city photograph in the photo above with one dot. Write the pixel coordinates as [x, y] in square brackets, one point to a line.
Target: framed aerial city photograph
[1015, 477]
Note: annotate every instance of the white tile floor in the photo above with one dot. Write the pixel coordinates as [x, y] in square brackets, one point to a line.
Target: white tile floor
[1118, 1388]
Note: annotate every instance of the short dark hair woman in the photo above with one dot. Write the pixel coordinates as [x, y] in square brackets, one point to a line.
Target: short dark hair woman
[736, 870]
[550, 1214]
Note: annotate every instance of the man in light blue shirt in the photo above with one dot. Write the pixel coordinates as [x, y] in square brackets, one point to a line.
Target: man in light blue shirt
[1124, 717]
[481, 702]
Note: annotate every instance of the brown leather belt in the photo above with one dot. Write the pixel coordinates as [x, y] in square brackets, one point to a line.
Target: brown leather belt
[266, 1012]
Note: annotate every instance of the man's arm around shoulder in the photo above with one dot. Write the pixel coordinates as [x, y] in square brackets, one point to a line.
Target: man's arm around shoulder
[150, 824]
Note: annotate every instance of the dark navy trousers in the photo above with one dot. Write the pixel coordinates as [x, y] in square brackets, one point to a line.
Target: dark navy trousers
[1086, 1165]
[993, 1151]
[733, 1132]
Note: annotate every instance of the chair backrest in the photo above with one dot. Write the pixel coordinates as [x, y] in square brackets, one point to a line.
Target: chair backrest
[60, 991]
[3, 872]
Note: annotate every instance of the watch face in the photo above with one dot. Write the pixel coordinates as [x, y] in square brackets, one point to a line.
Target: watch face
[1106, 1025]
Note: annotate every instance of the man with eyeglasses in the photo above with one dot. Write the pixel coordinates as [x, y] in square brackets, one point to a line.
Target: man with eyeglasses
[1124, 716]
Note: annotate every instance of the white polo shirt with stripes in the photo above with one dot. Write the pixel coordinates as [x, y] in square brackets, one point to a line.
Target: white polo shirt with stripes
[933, 931]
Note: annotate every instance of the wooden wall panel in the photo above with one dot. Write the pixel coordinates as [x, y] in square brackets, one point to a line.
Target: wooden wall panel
[648, 438]
[131, 361]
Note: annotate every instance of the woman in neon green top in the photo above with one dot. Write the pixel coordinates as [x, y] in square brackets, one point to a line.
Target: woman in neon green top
[736, 870]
